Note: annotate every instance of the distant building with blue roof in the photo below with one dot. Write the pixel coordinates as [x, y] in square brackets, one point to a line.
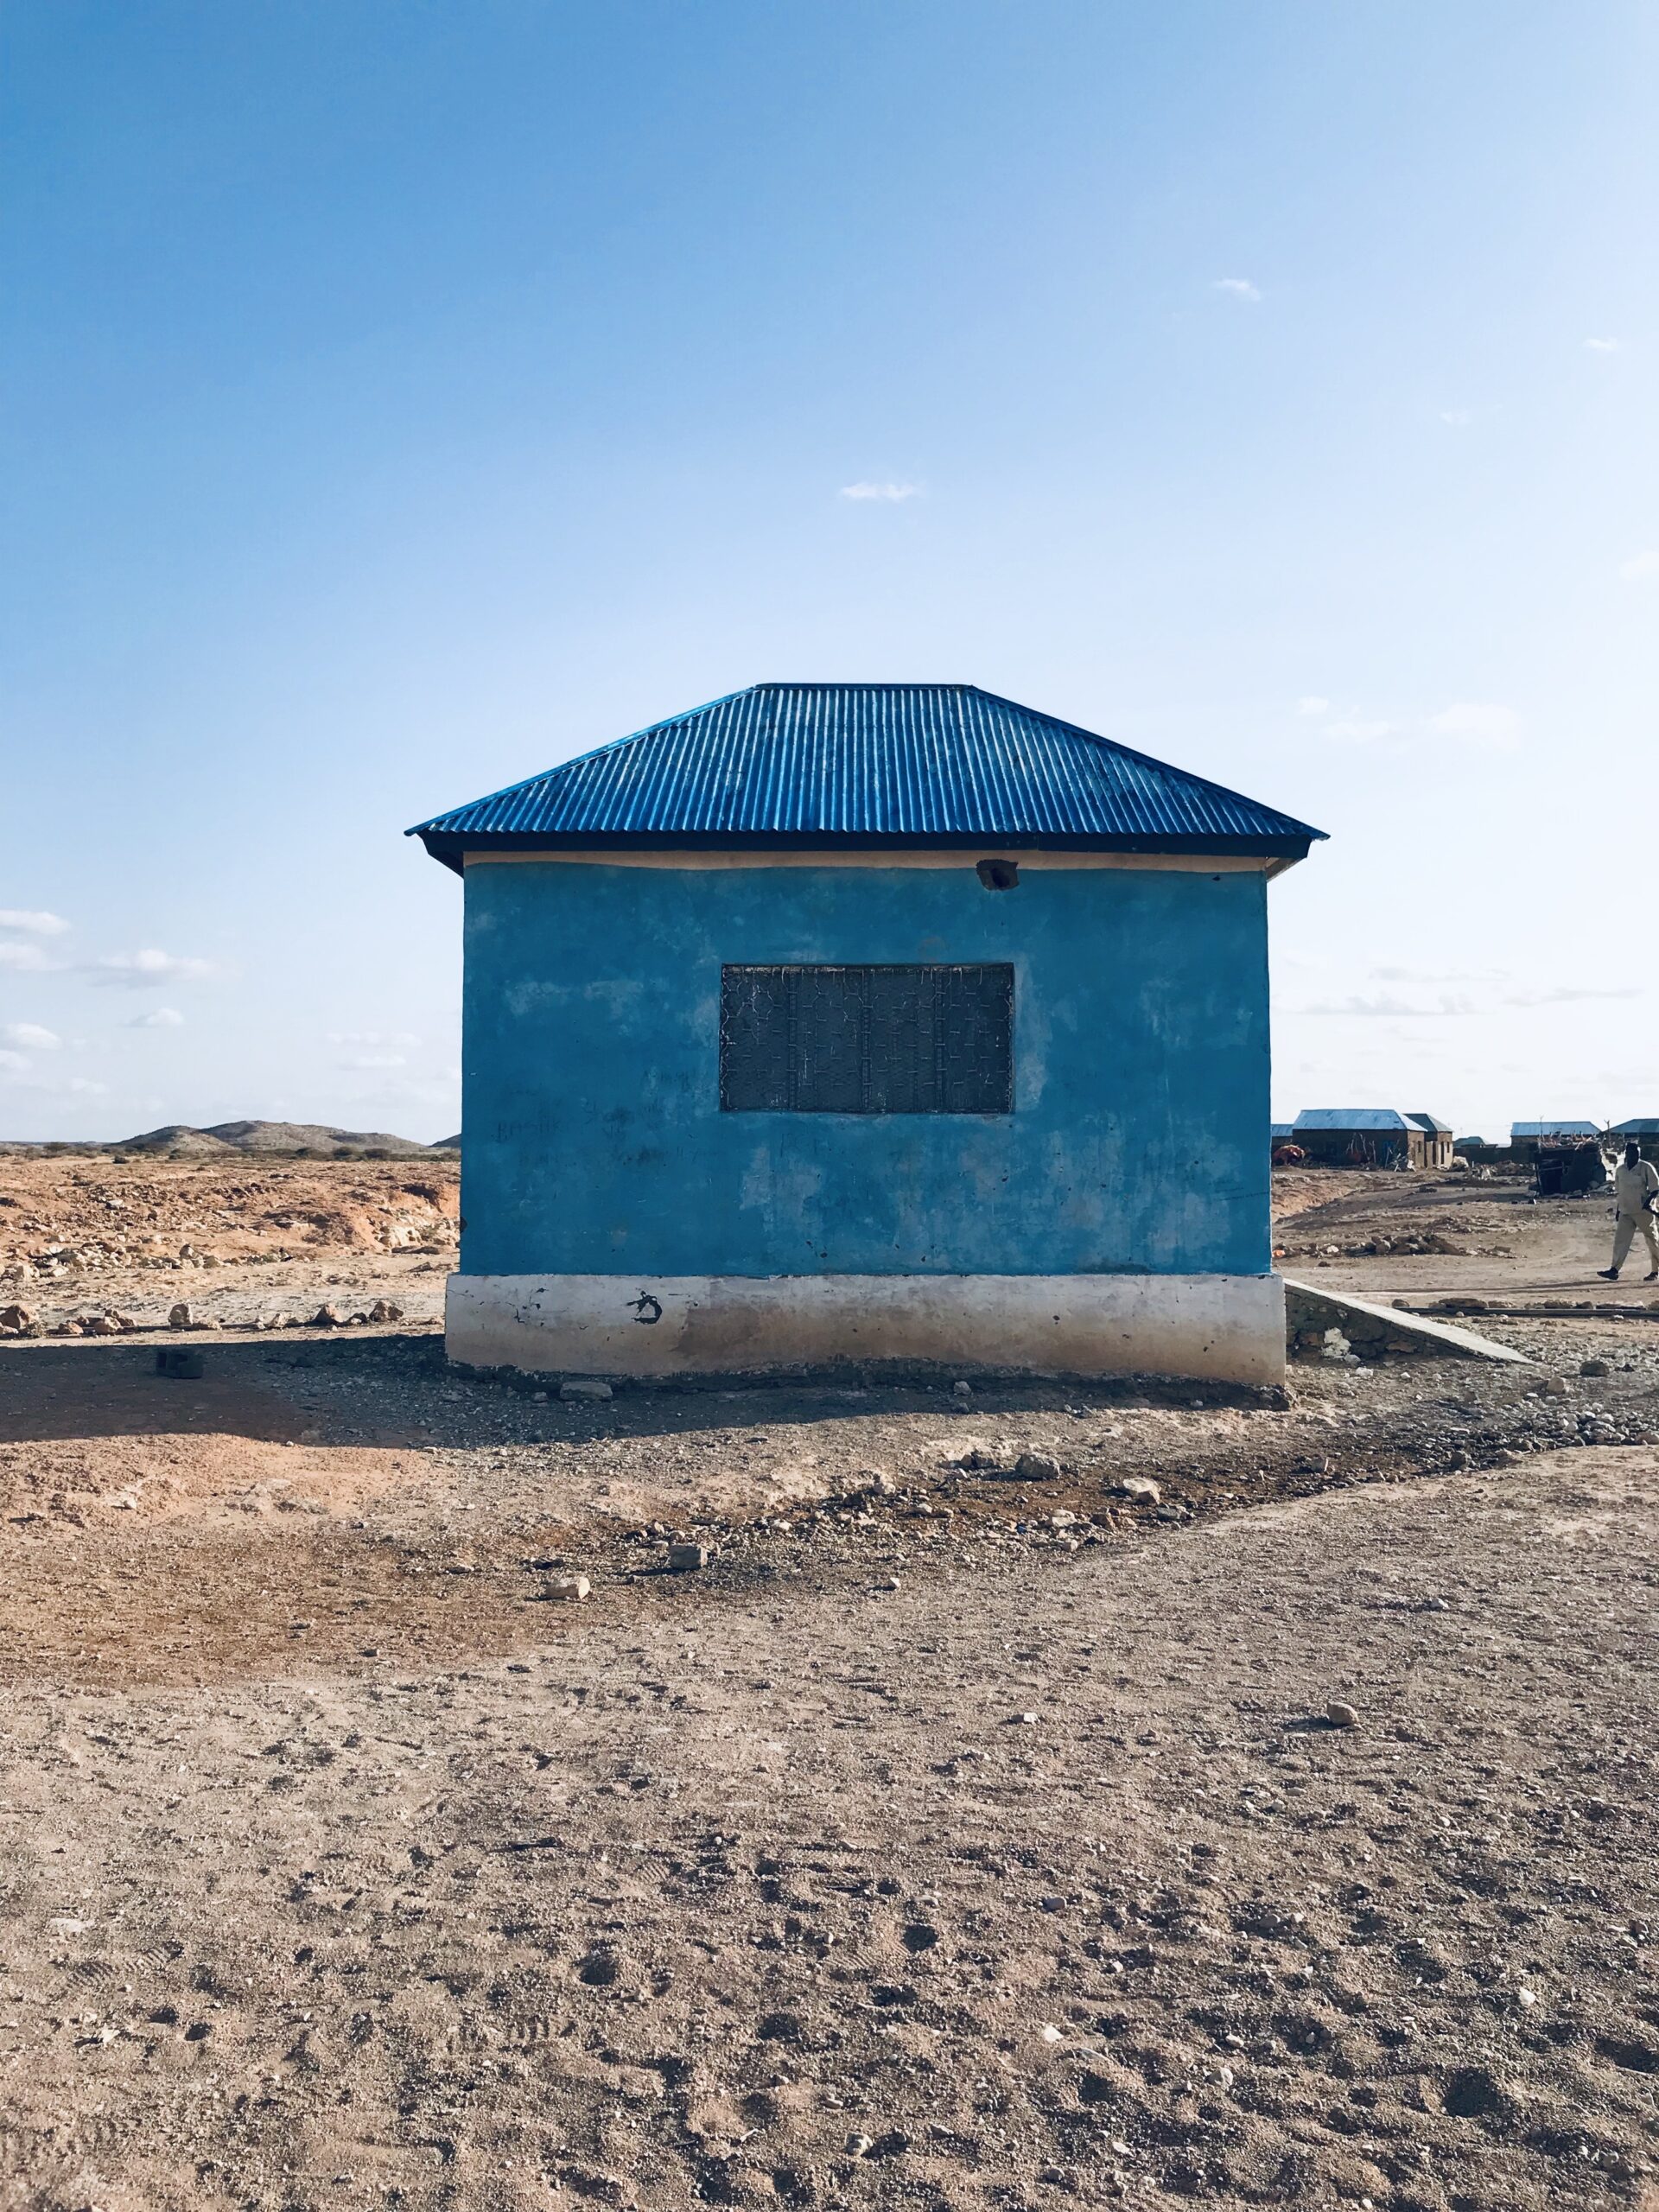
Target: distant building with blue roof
[863, 1022]
[1372, 1136]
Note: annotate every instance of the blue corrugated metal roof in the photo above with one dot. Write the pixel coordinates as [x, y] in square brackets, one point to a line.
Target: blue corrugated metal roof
[1553, 1129]
[921, 762]
[1435, 1127]
[1349, 1117]
[1637, 1127]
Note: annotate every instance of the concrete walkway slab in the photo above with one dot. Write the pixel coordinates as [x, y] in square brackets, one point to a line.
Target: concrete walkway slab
[1372, 1330]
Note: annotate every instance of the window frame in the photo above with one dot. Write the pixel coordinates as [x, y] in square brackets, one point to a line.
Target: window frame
[784, 978]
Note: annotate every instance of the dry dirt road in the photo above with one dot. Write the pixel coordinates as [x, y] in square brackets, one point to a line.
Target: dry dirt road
[950, 1841]
[1498, 1240]
[1024, 1883]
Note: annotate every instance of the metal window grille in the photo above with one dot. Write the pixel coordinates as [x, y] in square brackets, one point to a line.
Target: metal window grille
[867, 1040]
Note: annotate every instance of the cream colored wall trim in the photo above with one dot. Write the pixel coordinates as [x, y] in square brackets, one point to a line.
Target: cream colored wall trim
[905, 856]
[1221, 1327]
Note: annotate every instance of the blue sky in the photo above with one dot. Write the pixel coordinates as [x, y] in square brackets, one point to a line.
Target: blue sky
[402, 395]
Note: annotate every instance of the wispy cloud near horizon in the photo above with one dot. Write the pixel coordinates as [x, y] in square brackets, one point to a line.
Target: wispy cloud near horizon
[1238, 288]
[1385, 1005]
[889, 491]
[138, 970]
[34, 920]
[27, 958]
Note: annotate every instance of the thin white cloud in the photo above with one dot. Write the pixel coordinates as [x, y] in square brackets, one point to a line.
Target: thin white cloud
[1353, 732]
[1459, 418]
[25, 958]
[1569, 995]
[33, 919]
[137, 970]
[160, 1017]
[376, 1060]
[14, 1068]
[30, 1037]
[1238, 288]
[1384, 1005]
[1601, 345]
[1438, 976]
[1641, 568]
[1312, 705]
[372, 1037]
[887, 491]
[1479, 721]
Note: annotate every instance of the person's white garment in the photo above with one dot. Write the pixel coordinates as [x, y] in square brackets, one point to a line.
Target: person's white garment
[1632, 1188]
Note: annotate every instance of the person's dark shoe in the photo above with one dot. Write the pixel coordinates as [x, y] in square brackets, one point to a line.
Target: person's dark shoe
[1652, 1275]
[1608, 1275]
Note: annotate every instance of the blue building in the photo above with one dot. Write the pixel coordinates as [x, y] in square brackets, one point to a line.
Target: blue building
[866, 1022]
[1372, 1136]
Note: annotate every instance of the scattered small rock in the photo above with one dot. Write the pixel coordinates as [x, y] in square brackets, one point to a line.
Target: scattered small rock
[1141, 1488]
[569, 1587]
[686, 1558]
[1038, 1467]
[1594, 1367]
[182, 1317]
[582, 1387]
[1340, 1715]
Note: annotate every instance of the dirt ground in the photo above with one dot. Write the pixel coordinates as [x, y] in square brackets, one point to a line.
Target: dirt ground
[954, 1838]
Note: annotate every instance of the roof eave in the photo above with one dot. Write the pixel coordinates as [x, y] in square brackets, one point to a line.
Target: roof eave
[449, 846]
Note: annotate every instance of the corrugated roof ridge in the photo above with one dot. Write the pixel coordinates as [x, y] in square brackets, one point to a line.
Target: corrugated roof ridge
[1147, 759]
[546, 775]
[968, 744]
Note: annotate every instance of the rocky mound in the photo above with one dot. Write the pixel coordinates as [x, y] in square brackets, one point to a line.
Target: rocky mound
[273, 1136]
[176, 1137]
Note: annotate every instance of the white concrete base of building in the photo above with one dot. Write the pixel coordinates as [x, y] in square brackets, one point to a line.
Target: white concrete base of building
[1221, 1327]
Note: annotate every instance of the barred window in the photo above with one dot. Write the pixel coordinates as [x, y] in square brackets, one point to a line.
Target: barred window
[867, 1040]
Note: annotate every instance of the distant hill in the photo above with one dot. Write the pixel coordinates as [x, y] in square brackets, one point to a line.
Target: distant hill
[273, 1136]
[176, 1137]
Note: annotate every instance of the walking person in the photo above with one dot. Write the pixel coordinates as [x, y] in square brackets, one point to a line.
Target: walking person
[1636, 1188]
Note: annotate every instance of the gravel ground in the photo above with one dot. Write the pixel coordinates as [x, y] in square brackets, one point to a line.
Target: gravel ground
[1036, 1880]
[957, 1836]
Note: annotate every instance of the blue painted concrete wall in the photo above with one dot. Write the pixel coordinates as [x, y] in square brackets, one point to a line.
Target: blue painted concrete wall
[595, 1142]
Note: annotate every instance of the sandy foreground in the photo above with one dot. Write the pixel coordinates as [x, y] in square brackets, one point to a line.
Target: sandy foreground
[952, 1839]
